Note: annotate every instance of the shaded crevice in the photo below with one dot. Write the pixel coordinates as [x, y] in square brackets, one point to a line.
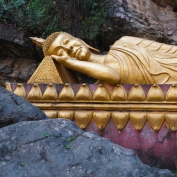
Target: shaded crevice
[6, 121]
[165, 3]
[175, 9]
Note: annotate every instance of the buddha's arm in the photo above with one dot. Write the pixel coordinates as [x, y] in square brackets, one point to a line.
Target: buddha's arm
[95, 70]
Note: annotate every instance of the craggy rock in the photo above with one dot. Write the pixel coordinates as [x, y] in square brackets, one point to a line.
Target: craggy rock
[57, 147]
[15, 43]
[16, 70]
[140, 18]
[18, 56]
[164, 3]
[15, 109]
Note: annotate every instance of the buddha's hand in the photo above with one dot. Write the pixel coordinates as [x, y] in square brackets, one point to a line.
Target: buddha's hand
[61, 59]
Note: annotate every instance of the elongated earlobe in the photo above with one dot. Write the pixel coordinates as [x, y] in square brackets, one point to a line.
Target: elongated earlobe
[91, 48]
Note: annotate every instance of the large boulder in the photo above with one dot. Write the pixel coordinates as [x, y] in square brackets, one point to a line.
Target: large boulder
[18, 56]
[164, 3]
[15, 43]
[140, 18]
[57, 147]
[16, 70]
[15, 109]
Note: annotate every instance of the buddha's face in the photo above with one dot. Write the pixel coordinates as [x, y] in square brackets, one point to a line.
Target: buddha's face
[65, 45]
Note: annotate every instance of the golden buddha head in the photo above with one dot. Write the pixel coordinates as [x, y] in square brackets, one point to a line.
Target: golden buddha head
[64, 44]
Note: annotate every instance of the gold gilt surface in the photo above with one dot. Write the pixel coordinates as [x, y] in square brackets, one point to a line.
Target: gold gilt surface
[84, 103]
[130, 60]
[50, 74]
[84, 93]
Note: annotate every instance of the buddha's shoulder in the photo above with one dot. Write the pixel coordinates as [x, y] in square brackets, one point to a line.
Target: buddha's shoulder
[127, 41]
[146, 43]
[131, 39]
[134, 40]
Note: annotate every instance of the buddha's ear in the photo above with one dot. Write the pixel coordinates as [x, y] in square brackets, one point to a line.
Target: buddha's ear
[37, 41]
[96, 50]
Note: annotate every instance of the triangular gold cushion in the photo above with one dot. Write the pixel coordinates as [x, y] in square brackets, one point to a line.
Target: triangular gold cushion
[46, 73]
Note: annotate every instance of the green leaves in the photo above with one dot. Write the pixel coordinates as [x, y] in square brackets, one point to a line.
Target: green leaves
[71, 139]
[46, 134]
[68, 140]
[19, 3]
[42, 18]
[67, 146]
[95, 17]
[21, 164]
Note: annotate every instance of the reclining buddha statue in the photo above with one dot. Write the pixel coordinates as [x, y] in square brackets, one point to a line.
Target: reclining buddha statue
[130, 60]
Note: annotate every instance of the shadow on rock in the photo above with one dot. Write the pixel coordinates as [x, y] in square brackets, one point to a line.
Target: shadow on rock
[15, 109]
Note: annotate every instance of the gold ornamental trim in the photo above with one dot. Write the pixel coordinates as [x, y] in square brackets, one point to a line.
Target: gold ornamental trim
[49, 75]
[82, 103]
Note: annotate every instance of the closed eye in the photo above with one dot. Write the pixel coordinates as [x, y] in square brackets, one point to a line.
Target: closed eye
[60, 52]
[66, 41]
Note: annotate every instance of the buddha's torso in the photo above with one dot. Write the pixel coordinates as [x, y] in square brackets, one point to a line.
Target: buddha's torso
[143, 61]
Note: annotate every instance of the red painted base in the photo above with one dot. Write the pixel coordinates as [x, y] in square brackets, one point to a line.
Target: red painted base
[155, 149]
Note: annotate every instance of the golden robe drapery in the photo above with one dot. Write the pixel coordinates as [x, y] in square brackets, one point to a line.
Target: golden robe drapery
[144, 61]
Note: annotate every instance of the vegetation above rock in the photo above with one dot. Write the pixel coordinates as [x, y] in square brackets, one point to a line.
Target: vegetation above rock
[44, 17]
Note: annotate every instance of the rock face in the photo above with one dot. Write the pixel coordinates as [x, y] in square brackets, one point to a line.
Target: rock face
[18, 56]
[164, 3]
[58, 148]
[15, 109]
[15, 43]
[140, 18]
[16, 70]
